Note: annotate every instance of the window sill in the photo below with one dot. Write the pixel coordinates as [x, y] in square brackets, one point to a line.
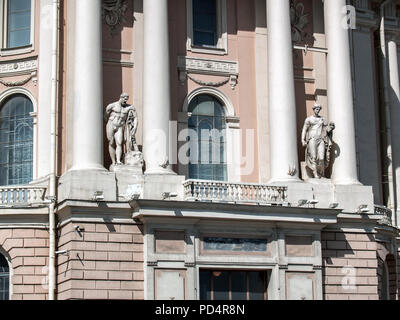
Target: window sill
[16, 51]
[209, 50]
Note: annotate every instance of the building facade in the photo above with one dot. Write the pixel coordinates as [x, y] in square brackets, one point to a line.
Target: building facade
[260, 159]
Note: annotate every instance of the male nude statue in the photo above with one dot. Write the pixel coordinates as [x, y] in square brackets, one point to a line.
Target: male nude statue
[317, 139]
[117, 115]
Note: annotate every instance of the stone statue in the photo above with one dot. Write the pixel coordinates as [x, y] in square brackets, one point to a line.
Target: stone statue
[121, 128]
[317, 139]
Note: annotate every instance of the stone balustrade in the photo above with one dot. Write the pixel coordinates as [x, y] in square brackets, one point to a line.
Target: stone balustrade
[215, 191]
[21, 195]
[386, 214]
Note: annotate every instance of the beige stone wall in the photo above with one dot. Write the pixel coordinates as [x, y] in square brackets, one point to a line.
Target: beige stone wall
[104, 261]
[27, 251]
[343, 251]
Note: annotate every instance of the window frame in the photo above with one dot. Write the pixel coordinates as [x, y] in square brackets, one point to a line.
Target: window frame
[10, 273]
[223, 133]
[4, 50]
[247, 271]
[222, 30]
[22, 91]
[233, 138]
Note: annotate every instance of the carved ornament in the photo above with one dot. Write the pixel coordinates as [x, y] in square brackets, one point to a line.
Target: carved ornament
[299, 21]
[113, 13]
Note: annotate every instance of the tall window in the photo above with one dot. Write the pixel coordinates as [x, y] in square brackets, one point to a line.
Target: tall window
[233, 285]
[16, 141]
[4, 279]
[205, 28]
[207, 143]
[18, 23]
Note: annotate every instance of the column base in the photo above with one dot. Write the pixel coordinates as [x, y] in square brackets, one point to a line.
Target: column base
[160, 172]
[275, 181]
[90, 167]
[345, 182]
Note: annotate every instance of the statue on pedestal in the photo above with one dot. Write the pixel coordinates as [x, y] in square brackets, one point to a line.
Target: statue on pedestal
[121, 128]
[317, 139]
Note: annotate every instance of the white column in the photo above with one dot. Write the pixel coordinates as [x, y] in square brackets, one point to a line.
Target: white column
[157, 94]
[282, 104]
[395, 120]
[88, 87]
[340, 92]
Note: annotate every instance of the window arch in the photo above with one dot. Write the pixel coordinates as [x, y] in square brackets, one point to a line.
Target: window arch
[4, 279]
[207, 121]
[16, 140]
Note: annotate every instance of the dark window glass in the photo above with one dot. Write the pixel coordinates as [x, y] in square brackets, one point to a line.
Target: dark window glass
[4, 279]
[16, 141]
[221, 285]
[207, 146]
[205, 23]
[235, 244]
[205, 285]
[239, 285]
[18, 23]
[257, 285]
[233, 285]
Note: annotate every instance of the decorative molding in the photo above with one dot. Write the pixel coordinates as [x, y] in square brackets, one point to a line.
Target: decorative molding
[20, 82]
[209, 84]
[123, 63]
[228, 69]
[228, 106]
[299, 21]
[190, 264]
[113, 13]
[18, 67]
[152, 263]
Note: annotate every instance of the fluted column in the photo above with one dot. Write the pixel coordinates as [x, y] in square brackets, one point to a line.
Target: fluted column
[157, 93]
[282, 104]
[88, 87]
[395, 119]
[340, 92]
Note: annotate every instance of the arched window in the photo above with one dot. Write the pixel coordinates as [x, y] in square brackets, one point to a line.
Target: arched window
[4, 279]
[207, 147]
[16, 141]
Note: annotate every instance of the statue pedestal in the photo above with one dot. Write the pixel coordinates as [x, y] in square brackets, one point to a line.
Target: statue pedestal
[133, 164]
[126, 169]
